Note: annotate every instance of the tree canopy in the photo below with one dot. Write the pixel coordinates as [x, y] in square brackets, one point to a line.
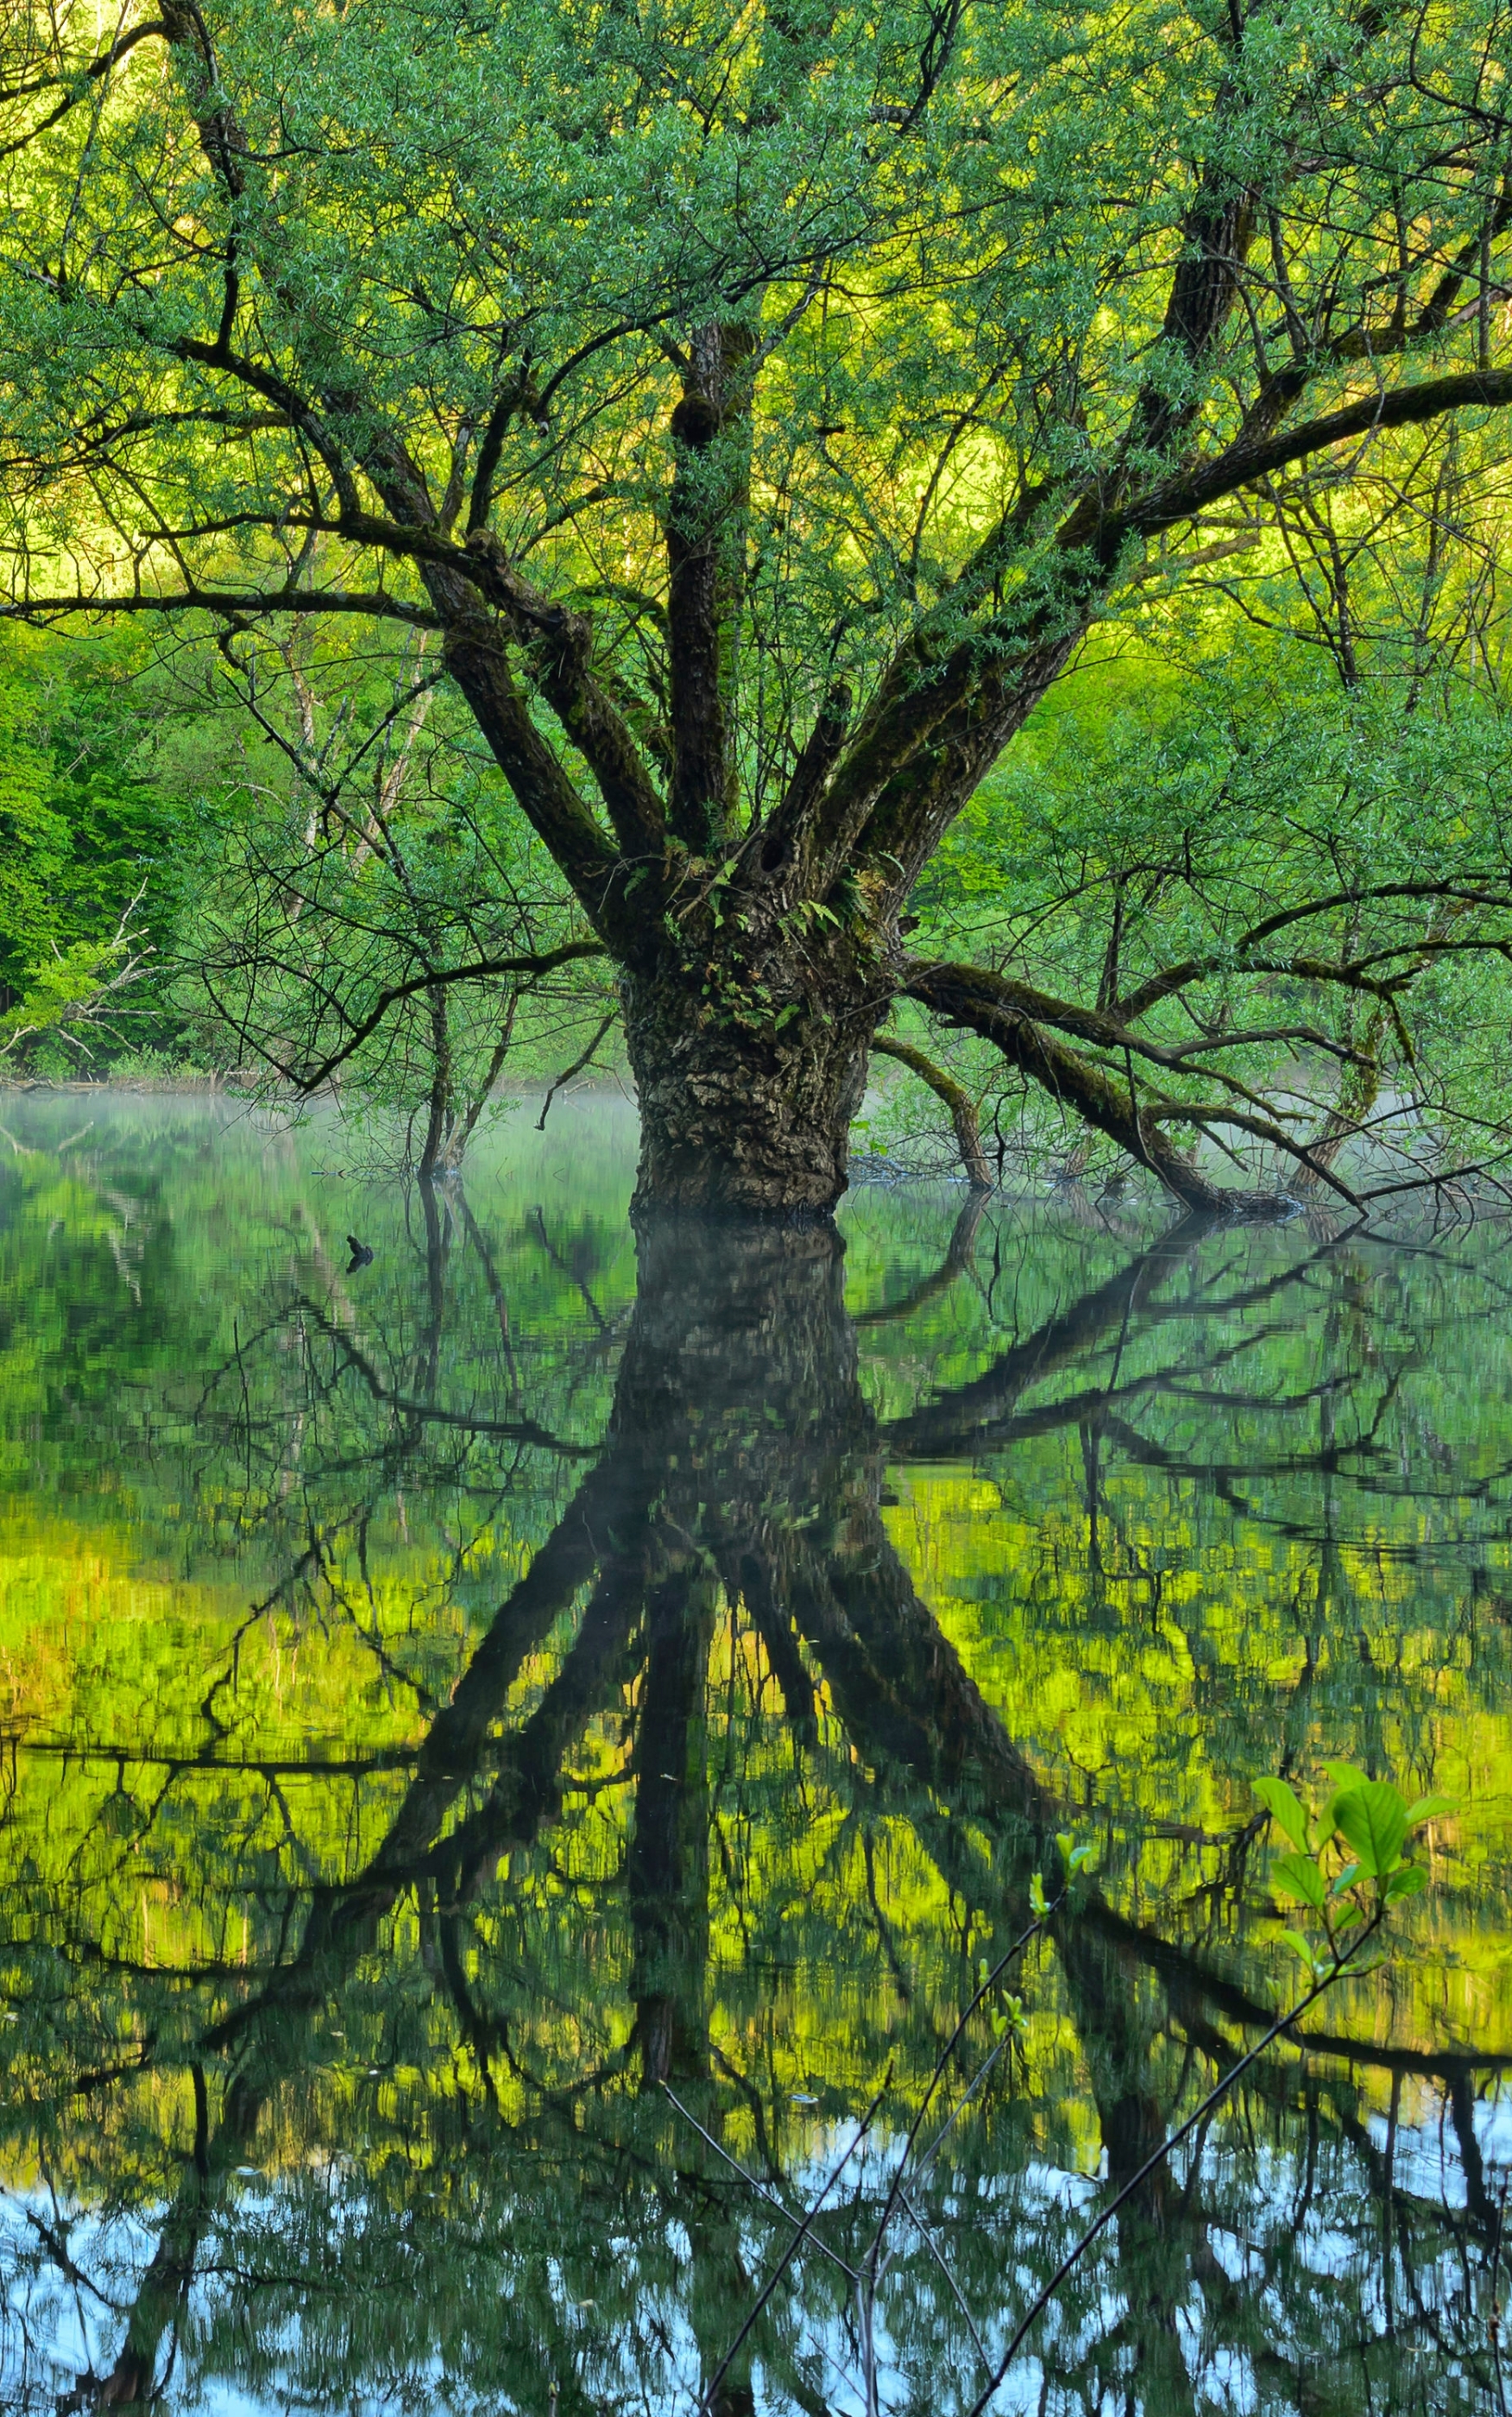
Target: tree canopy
[760, 405]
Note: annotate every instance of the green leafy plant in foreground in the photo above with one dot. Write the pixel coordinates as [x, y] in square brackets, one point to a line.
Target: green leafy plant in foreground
[1346, 1863]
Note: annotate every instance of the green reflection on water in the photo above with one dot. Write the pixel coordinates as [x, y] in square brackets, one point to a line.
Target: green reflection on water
[447, 1702]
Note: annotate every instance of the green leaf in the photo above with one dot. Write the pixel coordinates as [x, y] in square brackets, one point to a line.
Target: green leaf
[1372, 1819]
[1038, 1905]
[1346, 1879]
[1286, 1810]
[1409, 1879]
[1428, 1808]
[1328, 1820]
[1075, 1857]
[1342, 1776]
[1300, 1947]
[1298, 1877]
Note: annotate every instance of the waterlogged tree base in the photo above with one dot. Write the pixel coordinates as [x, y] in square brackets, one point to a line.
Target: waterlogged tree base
[741, 1126]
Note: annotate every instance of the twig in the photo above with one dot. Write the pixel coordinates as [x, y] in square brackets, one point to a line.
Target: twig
[576, 1068]
[792, 2250]
[941, 2063]
[938, 2255]
[1078, 2251]
[436, 977]
[760, 2188]
[1496, 2302]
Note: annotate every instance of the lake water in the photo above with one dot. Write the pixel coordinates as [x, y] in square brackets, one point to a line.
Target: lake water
[516, 1757]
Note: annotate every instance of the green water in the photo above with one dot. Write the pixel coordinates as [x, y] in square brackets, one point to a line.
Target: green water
[516, 1756]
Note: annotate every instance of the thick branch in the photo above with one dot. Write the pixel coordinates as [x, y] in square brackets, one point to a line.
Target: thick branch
[1409, 406]
[949, 704]
[1104, 1030]
[816, 758]
[958, 1100]
[474, 647]
[951, 993]
[77, 79]
[228, 605]
[476, 659]
[1171, 979]
[560, 644]
[986, 1003]
[705, 523]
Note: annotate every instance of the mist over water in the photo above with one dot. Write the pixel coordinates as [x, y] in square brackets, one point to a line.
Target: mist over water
[517, 1755]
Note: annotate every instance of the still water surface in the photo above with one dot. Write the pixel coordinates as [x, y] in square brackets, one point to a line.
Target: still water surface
[492, 1737]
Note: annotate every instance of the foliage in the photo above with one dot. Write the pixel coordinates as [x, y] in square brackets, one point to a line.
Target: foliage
[1157, 810]
[1347, 1865]
[761, 410]
[87, 836]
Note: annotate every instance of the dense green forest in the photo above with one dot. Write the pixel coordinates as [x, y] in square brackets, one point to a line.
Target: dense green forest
[941, 570]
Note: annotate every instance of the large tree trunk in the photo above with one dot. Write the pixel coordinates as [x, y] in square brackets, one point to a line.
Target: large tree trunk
[740, 1118]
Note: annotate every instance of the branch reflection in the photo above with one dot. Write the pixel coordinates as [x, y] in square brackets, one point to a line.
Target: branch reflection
[337, 2079]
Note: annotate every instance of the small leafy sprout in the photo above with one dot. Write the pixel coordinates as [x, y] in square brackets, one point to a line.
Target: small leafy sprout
[720, 883]
[801, 918]
[1347, 1864]
[1038, 1901]
[1075, 1857]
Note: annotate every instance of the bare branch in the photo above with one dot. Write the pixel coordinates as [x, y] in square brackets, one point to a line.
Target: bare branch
[438, 978]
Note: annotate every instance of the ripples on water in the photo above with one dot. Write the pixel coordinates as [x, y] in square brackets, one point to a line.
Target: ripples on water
[490, 1737]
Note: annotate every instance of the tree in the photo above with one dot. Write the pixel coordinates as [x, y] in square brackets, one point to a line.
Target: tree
[760, 407]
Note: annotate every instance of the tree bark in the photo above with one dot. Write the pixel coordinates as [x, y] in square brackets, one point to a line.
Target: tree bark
[743, 1113]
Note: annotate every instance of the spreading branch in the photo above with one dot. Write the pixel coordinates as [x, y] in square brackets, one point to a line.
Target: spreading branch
[435, 977]
[957, 1098]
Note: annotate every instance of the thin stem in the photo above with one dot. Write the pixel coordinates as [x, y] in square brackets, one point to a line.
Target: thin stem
[792, 2250]
[940, 2062]
[1496, 2302]
[760, 2188]
[1075, 2255]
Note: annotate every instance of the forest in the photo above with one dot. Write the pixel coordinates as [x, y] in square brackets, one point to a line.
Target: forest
[923, 591]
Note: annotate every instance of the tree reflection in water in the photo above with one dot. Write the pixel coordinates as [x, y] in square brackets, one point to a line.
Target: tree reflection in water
[357, 2080]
